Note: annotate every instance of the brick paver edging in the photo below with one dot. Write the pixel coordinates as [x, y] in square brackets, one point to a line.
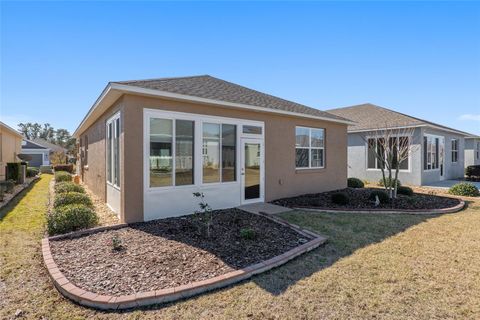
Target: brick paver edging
[105, 302]
[453, 209]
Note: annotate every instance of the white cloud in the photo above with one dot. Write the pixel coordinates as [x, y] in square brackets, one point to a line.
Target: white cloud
[470, 117]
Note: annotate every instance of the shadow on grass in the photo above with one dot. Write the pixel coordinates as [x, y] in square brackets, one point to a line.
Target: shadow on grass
[4, 211]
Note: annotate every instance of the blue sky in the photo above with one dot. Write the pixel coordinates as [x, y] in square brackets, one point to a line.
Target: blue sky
[419, 58]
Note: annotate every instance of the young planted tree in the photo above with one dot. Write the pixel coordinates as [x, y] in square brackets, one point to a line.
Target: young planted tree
[391, 147]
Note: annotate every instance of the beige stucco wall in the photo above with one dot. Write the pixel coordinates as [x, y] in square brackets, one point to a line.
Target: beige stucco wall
[95, 175]
[281, 177]
[11, 146]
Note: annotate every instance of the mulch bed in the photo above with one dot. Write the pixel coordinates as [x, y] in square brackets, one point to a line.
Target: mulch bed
[359, 200]
[170, 252]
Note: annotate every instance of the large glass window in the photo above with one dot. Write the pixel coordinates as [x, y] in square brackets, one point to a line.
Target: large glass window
[161, 152]
[376, 146]
[184, 152]
[219, 152]
[454, 150]
[166, 136]
[113, 151]
[431, 150]
[309, 147]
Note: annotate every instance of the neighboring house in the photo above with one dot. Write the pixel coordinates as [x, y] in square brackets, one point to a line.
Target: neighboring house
[472, 151]
[54, 149]
[10, 147]
[40, 155]
[437, 151]
[146, 146]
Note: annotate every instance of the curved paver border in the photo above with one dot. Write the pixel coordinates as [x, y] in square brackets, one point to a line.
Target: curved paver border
[107, 302]
[453, 209]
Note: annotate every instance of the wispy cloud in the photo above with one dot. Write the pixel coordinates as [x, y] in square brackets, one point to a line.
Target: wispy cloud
[470, 117]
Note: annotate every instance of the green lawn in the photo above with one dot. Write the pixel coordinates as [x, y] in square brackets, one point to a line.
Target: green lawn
[374, 266]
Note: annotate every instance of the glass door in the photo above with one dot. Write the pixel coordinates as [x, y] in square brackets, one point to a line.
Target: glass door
[252, 175]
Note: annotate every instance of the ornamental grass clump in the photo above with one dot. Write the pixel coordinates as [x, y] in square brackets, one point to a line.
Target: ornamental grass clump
[62, 176]
[464, 189]
[70, 218]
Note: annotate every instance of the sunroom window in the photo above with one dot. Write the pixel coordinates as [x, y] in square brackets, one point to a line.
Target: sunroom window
[219, 152]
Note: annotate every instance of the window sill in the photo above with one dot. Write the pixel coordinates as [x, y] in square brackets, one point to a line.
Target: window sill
[310, 170]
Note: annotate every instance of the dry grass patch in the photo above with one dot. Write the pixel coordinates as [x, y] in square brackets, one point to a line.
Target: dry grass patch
[375, 266]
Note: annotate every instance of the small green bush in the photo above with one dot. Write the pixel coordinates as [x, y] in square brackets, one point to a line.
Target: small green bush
[340, 198]
[247, 234]
[63, 167]
[63, 187]
[32, 172]
[382, 196]
[355, 183]
[407, 191]
[62, 199]
[7, 185]
[464, 189]
[14, 170]
[71, 218]
[62, 176]
[390, 182]
[472, 171]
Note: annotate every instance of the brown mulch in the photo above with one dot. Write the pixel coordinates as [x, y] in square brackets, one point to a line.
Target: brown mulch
[170, 252]
[359, 199]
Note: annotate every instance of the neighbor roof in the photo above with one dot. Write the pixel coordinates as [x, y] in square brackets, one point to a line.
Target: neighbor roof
[372, 117]
[209, 90]
[52, 146]
[29, 144]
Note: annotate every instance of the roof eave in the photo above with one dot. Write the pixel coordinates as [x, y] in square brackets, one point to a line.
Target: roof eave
[466, 135]
[114, 90]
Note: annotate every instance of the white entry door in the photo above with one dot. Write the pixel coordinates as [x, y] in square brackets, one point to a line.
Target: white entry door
[252, 170]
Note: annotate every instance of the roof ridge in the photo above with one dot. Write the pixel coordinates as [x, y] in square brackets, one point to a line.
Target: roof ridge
[165, 78]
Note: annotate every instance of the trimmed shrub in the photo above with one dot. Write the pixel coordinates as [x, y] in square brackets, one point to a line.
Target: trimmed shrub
[32, 172]
[472, 171]
[340, 198]
[406, 191]
[46, 169]
[464, 189]
[390, 182]
[63, 167]
[355, 183]
[382, 196]
[66, 198]
[64, 187]
[14, 169]
[247, 234]
[62, 176]
[7, 185]
[71, 218]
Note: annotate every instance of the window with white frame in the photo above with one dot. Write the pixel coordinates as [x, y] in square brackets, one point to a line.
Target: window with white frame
[454, 150]
[431, 148]
[113, 150]
[171, 152]
[376, 146]
[309, 147]
[219, 152]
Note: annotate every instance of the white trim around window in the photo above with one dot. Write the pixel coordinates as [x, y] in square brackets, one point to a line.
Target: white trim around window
[454, 150]
[317, 149]
[198, 146]
[112, 150]
[377, 168]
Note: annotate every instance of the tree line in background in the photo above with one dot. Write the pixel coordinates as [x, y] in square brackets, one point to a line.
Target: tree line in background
[59, 137]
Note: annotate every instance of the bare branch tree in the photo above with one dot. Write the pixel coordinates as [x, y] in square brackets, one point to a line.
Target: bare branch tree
[391, 147]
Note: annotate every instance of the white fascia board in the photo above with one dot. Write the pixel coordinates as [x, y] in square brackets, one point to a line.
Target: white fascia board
[121, 89]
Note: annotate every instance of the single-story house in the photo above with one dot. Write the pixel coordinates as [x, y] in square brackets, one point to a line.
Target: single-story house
[10, 147]
[38, 154]
[437, 152]
[145, 146]
[472, 151]
[54, 149]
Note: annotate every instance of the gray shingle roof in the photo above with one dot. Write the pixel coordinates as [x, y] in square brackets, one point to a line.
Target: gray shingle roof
[369, 116]
[31, 145]
[208, 87]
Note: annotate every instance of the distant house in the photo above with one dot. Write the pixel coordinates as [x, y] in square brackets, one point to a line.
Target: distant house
[472, 151]
[438, 151]
[10, 147]
[38, 154]
[54, 149]
[145, 146]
